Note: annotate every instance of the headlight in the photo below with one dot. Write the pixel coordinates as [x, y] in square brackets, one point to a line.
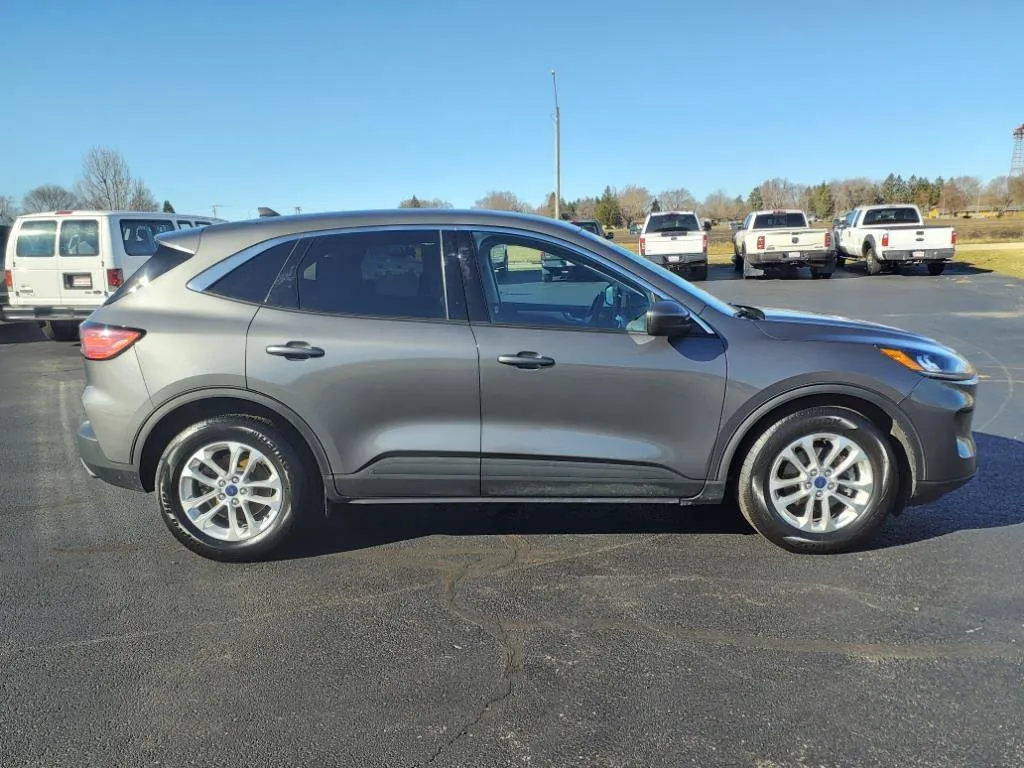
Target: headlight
[931, 361]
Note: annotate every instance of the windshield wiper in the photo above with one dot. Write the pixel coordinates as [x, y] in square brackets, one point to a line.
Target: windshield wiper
[747, 311]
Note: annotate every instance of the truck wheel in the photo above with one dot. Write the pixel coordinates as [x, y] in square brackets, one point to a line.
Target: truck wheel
[737, 263]
[701, 272]
[871, 259]
[820, 273]
[936, 268]
[60, 330]
[840, 261]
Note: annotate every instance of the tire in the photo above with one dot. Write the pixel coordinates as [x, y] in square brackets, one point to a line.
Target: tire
[818, 274]
[60, 330]
[874, 266]
[840, 262]
[765, 460]
[700, 273]
[737, 263]
[265, 447]
[936, 268]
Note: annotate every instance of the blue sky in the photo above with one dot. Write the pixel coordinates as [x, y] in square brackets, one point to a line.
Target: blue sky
[338, 105]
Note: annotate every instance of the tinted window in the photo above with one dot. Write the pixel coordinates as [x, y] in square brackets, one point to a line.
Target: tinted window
[138, 235]
[202, 223]
[36, 238]
[252, 280]
[892, 216]
[79, 238]
[673, 222]
[590, 226]
[547, 286]
[779, 220]
[182, 224]
[385, 274]
[164, 260]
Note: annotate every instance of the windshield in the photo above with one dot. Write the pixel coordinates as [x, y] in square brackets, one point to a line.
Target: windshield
[673, 222]
[901, 215]
[779, 220]
[685, 285]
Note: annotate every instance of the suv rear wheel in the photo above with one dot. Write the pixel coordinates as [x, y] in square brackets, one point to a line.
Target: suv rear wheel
[231, 487]
[820, 480]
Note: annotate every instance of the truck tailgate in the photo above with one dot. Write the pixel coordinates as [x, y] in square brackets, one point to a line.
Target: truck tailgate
[793, 240]
[665, 243]
[920, 238]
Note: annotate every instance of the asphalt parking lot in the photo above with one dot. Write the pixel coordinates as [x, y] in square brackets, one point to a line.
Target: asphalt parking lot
[521, 635]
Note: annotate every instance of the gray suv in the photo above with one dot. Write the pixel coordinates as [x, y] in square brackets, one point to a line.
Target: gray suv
[252, 373]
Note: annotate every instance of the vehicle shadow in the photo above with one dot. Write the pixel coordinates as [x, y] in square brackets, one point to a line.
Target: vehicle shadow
[363, 526]
[20, 333]
[991, 500]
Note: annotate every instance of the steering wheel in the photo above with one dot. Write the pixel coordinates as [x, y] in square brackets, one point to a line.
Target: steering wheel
[602, 314]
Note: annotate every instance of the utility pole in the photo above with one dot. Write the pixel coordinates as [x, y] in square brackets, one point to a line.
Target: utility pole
[215, 206]
[558, 151]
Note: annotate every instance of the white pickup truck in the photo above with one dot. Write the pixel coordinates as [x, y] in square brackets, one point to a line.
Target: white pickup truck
[677, 241]
[887, 237]
[773, 240]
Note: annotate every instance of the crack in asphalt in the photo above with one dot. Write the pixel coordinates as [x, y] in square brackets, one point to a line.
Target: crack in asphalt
[512, 646]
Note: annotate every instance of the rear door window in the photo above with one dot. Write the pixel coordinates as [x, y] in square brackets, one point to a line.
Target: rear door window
[139, 235]
[36, 238]
[80, 238]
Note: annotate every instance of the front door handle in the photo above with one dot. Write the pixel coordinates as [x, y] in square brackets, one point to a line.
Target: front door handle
[295, 350]
[528, 360]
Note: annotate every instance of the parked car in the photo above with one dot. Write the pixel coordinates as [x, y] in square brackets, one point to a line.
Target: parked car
[676, 241]
[772, 240]
[593, 225]
[251, 371]
[5, 230]
[61, 266]
[634, 228]
[887, 237]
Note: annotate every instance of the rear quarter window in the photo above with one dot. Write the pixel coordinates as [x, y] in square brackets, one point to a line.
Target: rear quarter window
[138, 235]
[36, 238]
[164, 260]
[252, 280]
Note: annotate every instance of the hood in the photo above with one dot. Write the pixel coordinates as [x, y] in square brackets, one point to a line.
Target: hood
[792, 325]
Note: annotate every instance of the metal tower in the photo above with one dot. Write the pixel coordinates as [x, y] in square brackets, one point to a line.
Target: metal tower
[1017, 164]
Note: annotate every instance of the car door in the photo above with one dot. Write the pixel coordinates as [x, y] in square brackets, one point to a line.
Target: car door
[35, 279]
[361, 339]
[576, 399]
[80, 263]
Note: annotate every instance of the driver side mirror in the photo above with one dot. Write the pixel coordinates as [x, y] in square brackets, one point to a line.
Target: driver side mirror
[668, 318]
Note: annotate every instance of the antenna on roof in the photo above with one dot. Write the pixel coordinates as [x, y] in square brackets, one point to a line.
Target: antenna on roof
[264, 212]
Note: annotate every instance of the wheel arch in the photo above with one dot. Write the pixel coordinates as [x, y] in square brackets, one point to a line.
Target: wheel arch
[881, 411]
[177, 414]
[869, 243]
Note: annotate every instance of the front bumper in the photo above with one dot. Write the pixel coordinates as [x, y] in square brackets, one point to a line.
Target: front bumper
[917, 257]
[942, 413]
[99, 466]
[30, 314]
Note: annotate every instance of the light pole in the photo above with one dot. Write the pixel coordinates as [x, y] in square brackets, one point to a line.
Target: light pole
[558, 151]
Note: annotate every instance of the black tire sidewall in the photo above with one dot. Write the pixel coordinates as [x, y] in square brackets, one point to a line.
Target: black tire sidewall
[752, 492]
[259, 434]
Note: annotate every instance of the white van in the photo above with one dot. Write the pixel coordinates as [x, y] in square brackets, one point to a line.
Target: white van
[61, 266]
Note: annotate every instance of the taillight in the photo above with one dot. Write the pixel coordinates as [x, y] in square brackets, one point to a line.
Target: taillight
[705, 241]
[643, 247]
[8, 279]
[760, 242]
[828, 239]
[885, 239]
[951, 240]
[115, 278]
[103, 342]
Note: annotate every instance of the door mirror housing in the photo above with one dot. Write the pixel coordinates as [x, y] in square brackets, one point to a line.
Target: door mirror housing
[668, 318]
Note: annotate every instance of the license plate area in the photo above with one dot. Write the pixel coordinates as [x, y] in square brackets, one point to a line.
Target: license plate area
[80, 280]
[794, 254]
[918, 254]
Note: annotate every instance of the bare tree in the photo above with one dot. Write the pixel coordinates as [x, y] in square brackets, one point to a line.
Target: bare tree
[502, 201]
[849, 193]
[780, 193]
[586, 208]
[677, 200]
[954, 199]
[970, 186]
[108, 185]
[634, 202]
[49, 197]
[7, 210]
[718, 205]
[424, 202]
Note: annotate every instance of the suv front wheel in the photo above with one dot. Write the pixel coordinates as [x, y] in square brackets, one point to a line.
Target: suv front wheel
[820, 480]
[231, 487]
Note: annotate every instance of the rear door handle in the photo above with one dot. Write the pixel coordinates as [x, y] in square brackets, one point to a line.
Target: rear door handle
[528, 360]
[295, 350]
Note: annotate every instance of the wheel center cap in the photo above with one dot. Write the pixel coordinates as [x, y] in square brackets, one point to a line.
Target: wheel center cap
[820, 482]
[231, 490]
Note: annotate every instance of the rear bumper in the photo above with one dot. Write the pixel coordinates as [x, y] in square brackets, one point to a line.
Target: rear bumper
[779, 258]
[30, 314]
[918, 257]
[99, 466]
[678, 259]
